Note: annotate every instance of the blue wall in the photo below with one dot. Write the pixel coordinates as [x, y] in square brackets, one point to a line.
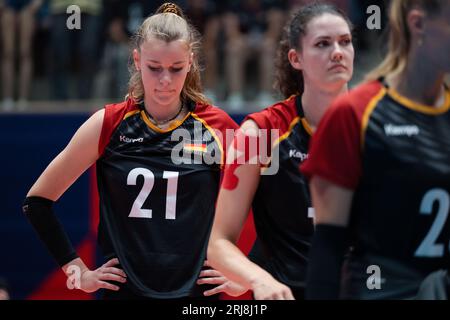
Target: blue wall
[27, 144]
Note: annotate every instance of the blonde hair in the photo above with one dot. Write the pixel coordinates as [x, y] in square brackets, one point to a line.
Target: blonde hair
[399, 42]
[168, 24]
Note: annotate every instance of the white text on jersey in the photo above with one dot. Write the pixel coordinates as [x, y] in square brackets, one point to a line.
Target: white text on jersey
[297, 154]
[130, 140]
[405, 130]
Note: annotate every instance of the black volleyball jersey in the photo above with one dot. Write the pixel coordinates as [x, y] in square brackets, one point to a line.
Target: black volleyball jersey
[157, 191]
[395, 155]
[281, 205]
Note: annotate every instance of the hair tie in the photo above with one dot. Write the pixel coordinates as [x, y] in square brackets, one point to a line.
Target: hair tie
[170, 8]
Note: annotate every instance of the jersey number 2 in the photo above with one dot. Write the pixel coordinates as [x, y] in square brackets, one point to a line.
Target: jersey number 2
[149, 180]
[429, 248]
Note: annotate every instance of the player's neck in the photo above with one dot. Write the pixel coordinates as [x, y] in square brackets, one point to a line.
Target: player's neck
[162, 115]
[420, 83]
[315, 102]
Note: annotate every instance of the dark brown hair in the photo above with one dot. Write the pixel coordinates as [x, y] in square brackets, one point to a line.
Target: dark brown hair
[288, 80]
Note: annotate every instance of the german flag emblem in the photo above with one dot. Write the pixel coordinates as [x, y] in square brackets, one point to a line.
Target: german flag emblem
[195, 147]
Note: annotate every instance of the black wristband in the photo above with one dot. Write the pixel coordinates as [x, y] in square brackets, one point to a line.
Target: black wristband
[325, 262]
[39, 212]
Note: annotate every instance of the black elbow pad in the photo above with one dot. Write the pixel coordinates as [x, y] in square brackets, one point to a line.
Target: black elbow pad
[325, 261]
[39, 212]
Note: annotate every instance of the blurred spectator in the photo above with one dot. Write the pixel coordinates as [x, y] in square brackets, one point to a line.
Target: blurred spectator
[205, 15]
[136, 14]
[111, 80]
[17, 18]
[253, 29]
[198, 13]
[341, 4]
[364, 38]
[4, 290]
[67, 44]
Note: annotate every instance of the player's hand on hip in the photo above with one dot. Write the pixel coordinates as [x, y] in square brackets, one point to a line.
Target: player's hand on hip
[223, 284]
[92, 280]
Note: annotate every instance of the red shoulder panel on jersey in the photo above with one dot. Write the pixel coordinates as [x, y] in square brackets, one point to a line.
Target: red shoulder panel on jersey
[114, 114]
[278, 116]
[219, 120]
[335, 148]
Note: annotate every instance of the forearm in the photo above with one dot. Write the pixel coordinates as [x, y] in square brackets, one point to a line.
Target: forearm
[40, 214]
[241, 179]
[227, 258]
[325, 261]
[332, 205]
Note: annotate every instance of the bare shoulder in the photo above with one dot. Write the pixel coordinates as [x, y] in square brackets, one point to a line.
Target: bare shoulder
[92, 127]
[97, 117]
[77, 156]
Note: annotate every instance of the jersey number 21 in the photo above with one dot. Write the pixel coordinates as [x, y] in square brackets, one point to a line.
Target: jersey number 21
[149, 180]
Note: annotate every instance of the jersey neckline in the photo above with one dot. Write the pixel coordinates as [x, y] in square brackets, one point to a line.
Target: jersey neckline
[301, 115]
[191, 106]
[175, 124]
[413, 105]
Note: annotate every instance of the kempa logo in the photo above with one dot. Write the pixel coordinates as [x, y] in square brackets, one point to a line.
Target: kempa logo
[405, 130]
[297, 154]
[130, 140]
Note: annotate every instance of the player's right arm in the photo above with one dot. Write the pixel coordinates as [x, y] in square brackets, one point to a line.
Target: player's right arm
[233, 204]
[77, 157]
[61, 173]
